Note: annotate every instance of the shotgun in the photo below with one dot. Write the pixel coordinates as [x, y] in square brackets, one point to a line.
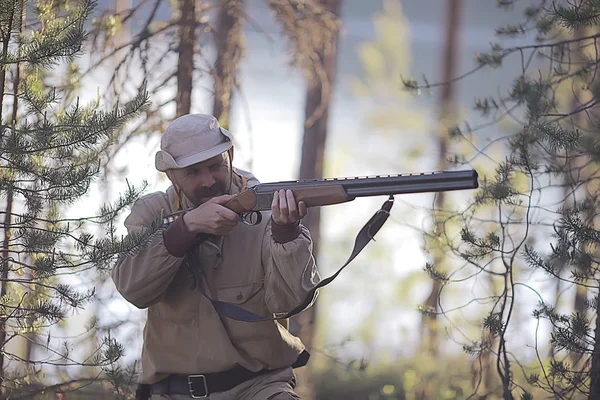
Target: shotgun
[329, 191]
[322, 192]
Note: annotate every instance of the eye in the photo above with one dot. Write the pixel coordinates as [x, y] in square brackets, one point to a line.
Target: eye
[216, 167]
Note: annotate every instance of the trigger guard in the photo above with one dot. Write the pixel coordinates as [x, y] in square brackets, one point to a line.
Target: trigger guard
[252, 218]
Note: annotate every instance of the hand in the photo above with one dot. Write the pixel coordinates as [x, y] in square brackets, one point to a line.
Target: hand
[211, 217]
[285, 209]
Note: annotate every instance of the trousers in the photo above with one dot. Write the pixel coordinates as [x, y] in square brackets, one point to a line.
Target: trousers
[276, 385]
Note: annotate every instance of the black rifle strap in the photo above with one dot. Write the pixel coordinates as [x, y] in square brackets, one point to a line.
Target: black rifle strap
[365, 235]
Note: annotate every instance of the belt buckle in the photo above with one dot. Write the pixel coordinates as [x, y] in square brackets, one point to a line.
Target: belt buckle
[191, 387]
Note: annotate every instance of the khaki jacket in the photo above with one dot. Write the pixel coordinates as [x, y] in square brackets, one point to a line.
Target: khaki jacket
[183, 333]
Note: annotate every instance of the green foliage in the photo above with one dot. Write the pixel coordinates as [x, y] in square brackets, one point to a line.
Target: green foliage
[310, 30]
[435, 274]
[122, 379]
[59, 39]
[493, 322]
[586, 15]
[526, 396]
[411, 378]
[50, 154]
[486, 106]
[138, 42]
[385, 61]
[543, 186]
[494, 58]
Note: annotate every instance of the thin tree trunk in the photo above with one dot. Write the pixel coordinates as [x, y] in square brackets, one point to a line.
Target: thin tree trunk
[488, 373]
[316, 112]
[185, 66]
[318, 99]
[429, 327]
[5, 43]
[4, 277]
[552, 351]
[575, 169]
[229, 47]
[6, 242]
[10, 193]
[595, 371]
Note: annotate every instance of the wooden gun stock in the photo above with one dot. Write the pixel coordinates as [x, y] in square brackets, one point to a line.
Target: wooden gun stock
[243, 202]
[312, 197]
[316, 196]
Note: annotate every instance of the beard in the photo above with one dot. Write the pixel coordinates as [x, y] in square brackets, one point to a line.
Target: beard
[203, 194]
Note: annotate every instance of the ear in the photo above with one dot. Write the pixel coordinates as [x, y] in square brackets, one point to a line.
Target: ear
[230, 152]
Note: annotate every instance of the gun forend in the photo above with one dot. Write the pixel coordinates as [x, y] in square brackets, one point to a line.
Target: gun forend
[250, 200]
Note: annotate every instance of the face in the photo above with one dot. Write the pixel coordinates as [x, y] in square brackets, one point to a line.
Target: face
[205, 180]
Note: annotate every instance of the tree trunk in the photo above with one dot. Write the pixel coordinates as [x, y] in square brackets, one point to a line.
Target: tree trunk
[4, 277]
[185, 65]
[429, 327]
[229, 47]
[576, 165]
[7, 227]
[557, 289]
[5, 43]
[318, 99]
[5, 253]
[488, 377]
[595, 371]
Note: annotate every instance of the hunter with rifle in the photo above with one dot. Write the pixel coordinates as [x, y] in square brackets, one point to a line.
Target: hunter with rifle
[219, 292]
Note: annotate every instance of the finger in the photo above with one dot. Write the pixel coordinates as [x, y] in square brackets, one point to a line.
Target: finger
[275, 205]
[291, 202]
[283, 206]
[227, 214]
[302, 209]
[223, 199]
[228, 223]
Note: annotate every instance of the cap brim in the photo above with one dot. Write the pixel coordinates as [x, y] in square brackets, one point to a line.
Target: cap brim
[164, 161]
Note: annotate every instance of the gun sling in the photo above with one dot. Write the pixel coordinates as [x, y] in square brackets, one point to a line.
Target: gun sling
[200, 386]
[365, 235]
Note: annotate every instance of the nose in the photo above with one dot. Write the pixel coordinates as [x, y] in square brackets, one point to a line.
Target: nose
[206, 178]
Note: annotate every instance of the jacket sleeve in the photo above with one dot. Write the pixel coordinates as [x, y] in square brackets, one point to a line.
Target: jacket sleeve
[290, 269]
[143, 274]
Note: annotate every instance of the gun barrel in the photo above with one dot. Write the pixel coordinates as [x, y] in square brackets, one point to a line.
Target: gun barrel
[386, 185]
[414, 183]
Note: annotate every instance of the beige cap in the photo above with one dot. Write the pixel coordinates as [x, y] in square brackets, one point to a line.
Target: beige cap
[190, 139]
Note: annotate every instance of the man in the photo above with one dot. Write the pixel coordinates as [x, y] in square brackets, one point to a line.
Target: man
[189, 349]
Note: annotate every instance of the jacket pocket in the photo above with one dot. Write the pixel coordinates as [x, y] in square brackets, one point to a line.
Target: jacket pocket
[240, 293]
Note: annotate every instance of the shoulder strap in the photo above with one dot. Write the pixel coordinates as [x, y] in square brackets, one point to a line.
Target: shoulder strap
[365, 235]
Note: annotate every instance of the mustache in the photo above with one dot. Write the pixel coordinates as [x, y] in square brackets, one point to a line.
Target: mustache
[215, 190]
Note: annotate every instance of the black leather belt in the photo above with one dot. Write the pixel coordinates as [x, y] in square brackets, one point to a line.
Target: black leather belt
[200, 386]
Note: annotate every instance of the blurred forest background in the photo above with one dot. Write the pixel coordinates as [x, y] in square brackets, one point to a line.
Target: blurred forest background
[489, 293]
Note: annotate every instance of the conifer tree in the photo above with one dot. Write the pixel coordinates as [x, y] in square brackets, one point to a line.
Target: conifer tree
[49, 156]
[545, 191]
